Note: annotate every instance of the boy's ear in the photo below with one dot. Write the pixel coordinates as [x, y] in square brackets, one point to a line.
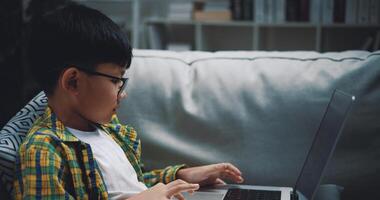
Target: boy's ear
[69, 80]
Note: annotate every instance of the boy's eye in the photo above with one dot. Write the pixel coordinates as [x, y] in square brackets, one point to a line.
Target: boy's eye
[115, 81]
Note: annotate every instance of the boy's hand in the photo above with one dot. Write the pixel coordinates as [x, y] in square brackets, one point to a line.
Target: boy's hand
[211, 174]
[165, 192]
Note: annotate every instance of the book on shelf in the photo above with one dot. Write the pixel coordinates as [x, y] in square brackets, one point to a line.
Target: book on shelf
[180, 10]
[242, 9]
[363, 12]
[247, 9]
[327, 11]
[315, 11]
[236, 9]
[304, 11]
[270, 10]
[279, 11]
[212, 15]
[211, 11]
[339, 11]
[351, 11]
[216, 6]
[260, 11]
[298, 10]
[292, 10]
[374, 12]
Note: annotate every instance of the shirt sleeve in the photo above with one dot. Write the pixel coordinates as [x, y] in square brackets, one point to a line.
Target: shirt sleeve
[150, 178]
[39, 172]
[165, 176]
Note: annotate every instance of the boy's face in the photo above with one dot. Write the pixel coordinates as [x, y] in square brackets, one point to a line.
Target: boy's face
[99, 96]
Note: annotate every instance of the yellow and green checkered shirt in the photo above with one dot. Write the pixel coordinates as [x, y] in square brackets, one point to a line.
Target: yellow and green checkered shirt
[53, 164]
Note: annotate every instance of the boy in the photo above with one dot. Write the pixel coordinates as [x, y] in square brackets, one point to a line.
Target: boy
[78, 149]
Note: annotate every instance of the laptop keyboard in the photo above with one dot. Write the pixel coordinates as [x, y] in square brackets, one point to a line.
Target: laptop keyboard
[249, 194]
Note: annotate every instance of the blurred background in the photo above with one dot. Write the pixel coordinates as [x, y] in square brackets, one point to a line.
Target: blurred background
[201, 25]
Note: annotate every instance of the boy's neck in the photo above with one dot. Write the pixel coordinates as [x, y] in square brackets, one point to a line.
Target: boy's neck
[68, 115]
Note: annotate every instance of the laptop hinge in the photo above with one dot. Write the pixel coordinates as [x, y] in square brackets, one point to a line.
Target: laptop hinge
[293, 195]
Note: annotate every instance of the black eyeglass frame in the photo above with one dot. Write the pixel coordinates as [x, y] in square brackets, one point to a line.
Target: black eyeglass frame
[122, 79]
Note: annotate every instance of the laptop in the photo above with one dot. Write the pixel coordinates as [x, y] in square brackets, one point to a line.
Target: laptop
[321, 150]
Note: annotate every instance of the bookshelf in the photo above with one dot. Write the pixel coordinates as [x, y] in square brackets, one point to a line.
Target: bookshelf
[248, 35]
[125, 13]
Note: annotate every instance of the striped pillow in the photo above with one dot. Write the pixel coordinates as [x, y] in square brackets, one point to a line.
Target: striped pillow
[12, 135]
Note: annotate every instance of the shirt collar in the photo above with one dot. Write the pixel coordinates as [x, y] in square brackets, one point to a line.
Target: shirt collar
[50, 121]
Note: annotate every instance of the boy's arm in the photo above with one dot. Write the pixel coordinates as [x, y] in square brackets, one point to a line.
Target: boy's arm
[165, 176]
[153, 177]
[39, 174]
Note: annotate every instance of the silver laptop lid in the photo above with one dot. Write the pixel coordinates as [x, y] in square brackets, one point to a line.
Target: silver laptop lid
[324, 143]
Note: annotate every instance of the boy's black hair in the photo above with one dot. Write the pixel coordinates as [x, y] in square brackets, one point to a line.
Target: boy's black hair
[74, 35]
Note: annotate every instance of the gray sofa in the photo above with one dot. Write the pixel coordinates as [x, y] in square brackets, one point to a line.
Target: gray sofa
[257, 110]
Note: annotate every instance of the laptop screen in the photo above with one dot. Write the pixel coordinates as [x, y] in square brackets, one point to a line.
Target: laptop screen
[324, 143]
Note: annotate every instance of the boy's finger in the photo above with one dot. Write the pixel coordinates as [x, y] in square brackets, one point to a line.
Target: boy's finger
[181, 188]
[231, 167]
[179, 196]
[232, 176]
[219, 181]
[176, 182]
[235, 169]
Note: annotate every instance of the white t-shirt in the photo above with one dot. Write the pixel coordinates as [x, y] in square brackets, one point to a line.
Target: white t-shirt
[118, 173]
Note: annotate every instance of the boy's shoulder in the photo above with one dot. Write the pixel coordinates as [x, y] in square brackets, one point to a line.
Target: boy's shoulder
[46, 132]
[40, 137]
[49, 132]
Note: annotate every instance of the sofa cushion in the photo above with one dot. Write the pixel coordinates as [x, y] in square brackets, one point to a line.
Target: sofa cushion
[12, 135]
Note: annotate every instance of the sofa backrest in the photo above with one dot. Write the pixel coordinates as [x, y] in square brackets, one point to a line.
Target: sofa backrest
[258, 110]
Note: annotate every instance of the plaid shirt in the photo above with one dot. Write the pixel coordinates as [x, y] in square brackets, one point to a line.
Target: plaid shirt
[53, 164]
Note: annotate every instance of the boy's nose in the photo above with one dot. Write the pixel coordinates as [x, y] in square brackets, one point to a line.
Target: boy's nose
[123, 95]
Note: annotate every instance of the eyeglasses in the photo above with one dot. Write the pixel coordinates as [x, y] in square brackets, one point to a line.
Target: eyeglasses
[122, 80]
